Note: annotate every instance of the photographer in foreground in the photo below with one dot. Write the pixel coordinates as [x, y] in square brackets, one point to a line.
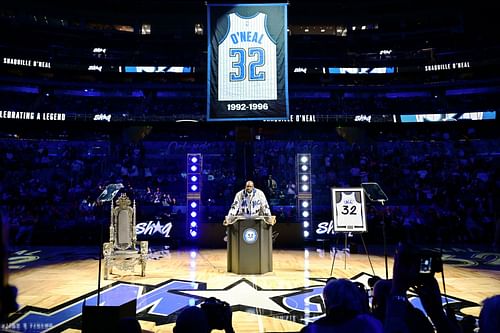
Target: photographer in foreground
[347, 310]
[415, 319]
[415, 269]
[211, 314]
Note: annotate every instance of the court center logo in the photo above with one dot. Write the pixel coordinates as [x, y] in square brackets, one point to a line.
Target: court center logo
[162, 303]
[250, 235]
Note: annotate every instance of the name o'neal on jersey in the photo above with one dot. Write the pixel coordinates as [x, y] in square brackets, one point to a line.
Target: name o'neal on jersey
[246, 36]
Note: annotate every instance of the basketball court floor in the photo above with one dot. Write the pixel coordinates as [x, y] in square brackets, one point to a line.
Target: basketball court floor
[54, 282]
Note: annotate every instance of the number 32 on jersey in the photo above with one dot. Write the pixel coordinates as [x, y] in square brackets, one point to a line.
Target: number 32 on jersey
[348, 209]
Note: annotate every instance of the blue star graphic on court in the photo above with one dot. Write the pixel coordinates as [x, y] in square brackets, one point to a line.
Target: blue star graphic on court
[244, 293]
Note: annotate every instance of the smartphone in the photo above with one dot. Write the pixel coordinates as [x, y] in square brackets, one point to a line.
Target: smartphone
[425, 265]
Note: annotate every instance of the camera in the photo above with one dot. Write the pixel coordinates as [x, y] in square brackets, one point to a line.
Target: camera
[216, 312]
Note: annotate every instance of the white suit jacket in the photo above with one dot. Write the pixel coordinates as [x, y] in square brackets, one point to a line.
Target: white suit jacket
[253, 203]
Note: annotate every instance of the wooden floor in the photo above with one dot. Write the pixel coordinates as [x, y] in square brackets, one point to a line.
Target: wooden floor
[72, 273]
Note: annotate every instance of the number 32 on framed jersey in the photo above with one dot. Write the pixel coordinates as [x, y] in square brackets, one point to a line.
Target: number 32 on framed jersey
[348, 210]
[247, 62]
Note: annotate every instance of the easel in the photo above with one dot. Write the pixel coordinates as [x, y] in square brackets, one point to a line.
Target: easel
[349, 217]
[345, 250]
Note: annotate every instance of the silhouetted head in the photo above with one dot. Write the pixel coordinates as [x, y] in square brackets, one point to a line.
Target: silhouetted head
[191, 320]
[343, 299]
[489, 317]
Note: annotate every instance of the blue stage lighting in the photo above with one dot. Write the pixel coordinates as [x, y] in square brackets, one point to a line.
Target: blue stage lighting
[194, 168]
[304, 195]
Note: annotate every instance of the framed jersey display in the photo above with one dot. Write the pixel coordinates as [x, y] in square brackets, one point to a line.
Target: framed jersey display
[247, 62]
[348, 210]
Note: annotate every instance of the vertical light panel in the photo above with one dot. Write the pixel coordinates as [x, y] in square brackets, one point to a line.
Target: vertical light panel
[193, 194]
[304, 193]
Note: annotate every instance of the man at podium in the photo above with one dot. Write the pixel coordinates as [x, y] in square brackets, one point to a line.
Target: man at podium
[248, 202]
[249, 232]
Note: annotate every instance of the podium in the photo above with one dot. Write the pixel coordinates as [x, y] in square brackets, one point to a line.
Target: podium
[250, 244]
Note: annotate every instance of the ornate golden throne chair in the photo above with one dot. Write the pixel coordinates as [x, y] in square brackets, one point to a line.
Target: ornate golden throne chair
[121, 251]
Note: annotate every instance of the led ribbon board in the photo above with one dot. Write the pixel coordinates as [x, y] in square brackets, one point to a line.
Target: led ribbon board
[247, 62]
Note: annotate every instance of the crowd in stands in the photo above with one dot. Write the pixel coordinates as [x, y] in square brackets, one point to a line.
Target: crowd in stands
[441, 185]
[49, 186]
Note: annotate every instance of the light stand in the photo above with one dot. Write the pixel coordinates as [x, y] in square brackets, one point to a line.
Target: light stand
[384, 238]
[375, 194]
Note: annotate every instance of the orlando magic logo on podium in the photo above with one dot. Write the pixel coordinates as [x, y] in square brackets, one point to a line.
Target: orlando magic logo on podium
[250, 235]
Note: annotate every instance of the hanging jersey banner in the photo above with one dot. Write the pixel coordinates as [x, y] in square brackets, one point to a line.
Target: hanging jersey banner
[348, 210]
[247, 62]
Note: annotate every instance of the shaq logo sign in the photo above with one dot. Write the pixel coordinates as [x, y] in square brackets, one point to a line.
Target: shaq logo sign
[325, 228]
[154, 227]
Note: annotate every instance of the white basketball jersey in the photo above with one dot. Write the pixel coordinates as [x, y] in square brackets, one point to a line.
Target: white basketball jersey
[349, 211]
[247, 61]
